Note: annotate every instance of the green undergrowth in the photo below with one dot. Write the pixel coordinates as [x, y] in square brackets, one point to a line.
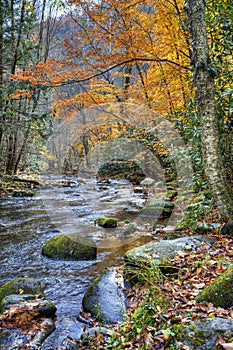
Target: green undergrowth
[198, 211]
[147, 319]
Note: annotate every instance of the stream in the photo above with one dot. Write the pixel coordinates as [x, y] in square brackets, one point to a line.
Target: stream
[68, 205]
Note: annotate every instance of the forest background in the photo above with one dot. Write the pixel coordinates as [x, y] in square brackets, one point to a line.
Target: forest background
[58, 59]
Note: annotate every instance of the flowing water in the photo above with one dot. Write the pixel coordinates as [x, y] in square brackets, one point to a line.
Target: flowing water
[67, 206]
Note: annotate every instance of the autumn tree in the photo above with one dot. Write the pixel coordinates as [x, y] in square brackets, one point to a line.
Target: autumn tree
[25, 34]
[132, 51]
[204, 77]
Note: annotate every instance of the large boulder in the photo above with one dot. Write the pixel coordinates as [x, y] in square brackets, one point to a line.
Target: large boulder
[203, 334]
[161, 251]
[105, 299]
[220, 292]
[71, 247]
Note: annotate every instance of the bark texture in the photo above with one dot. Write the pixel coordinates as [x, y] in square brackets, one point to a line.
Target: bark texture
[204, 82]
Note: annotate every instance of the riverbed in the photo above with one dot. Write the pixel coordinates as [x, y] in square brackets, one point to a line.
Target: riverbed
[68, 205]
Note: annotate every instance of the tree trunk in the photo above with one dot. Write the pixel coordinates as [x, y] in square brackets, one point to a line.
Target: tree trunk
[204, 82]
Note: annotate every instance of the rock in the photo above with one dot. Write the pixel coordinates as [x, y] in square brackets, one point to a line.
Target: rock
[203, 334]
[71, 247]
[92, 332]
[46, 328]
[105, 299]
[107, 222]
[16, 299]
[13, 339]
[138, 189]
[21, 286]
[44, 307]
[220, 292]
[18, 339]
[227, 228]
[156, 207]
[147, 182]
[163, 250]
[23, 193]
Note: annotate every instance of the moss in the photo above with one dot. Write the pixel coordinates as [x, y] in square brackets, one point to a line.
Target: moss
[220, 292]
[193, 336]
[71, 247]
[21, 286]
[107, 222]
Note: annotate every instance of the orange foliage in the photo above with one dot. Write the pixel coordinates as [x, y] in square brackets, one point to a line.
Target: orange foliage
[120, 51]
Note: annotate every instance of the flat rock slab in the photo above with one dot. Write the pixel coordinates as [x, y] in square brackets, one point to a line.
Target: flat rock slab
[105, 298]
[160, 251]
[202, 334]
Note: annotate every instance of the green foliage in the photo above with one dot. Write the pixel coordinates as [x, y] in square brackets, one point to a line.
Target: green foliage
[120, 169]
[219, 16]
[188, 124]
[196, 211]
[145, 315]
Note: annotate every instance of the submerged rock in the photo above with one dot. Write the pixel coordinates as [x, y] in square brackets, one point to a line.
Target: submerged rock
[107, 222]
[105, 299]
[203, 334]
[71, 247]
[220, 292]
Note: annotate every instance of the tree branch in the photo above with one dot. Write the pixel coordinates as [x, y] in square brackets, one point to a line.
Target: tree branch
[139, 59]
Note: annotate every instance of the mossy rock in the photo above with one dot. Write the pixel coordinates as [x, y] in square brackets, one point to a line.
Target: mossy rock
[162, 251]
[155, 202]
[227, 228]
[157, 207]
[220, 292]
[203, 334]
[71, 247]
[107, 222]
[21, 286]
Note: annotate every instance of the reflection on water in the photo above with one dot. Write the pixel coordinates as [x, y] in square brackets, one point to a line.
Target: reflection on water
[26, 223]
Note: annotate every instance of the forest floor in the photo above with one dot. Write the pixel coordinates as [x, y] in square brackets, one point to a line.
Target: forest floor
[161, 302]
